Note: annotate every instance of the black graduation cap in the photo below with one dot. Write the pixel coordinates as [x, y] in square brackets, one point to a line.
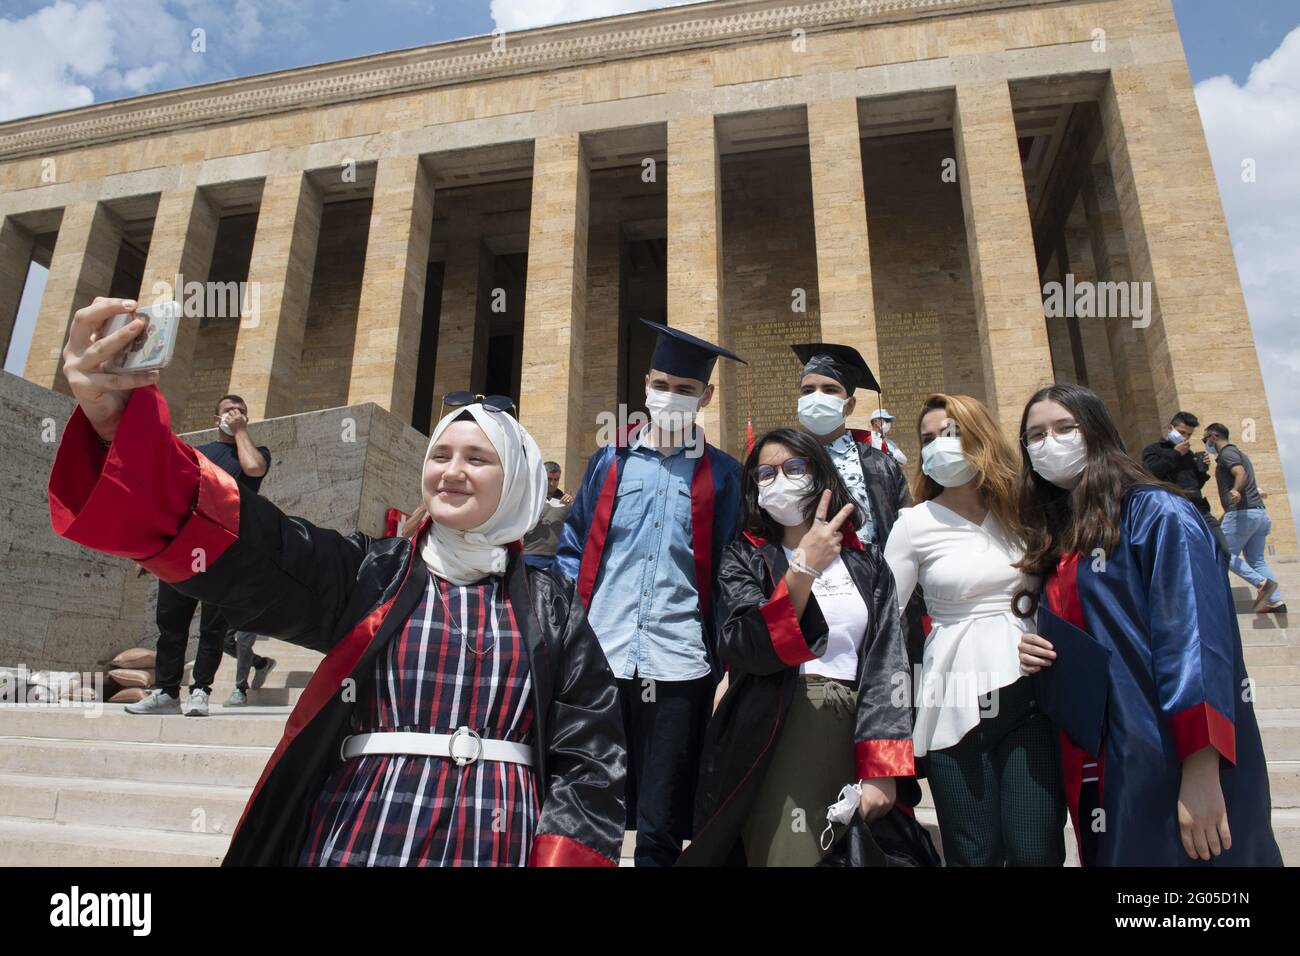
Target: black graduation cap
[843, 363]
[679, 353]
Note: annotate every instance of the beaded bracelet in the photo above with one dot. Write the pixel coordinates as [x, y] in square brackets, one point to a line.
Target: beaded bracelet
[798, 565]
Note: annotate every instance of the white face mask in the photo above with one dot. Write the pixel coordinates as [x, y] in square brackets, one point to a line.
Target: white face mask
[669, 411]
[820, 413]
[885, 427]
[944, 461]
[1175, 437]
[223, 426]
[783, 498]
[1060, 460]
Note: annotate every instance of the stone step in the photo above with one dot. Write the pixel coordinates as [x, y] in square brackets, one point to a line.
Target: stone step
[43, 843]
[202, 764]
[242, 726]
[81, 801]
[1270, 655]
[1280, 731]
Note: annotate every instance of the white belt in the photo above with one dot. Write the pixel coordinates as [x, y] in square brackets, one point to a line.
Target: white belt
[463, 747]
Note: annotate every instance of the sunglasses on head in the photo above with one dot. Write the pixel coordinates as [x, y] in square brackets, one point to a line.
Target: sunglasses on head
[493, 403]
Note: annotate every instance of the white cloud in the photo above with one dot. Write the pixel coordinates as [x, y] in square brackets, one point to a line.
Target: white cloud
[72, 52]
[1259, 121]
[525, 14]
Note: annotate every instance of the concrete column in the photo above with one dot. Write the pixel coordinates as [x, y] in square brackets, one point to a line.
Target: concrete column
[16, 244]
[1178, 242]
[600, 364]
[462, 322]
[180, 252]
[695, 261]
[392, 287]
[81, 267]
[848, 311]
[999, 238]
[269, 347]
[1094, 333]
[555, 314]
[1136, 412]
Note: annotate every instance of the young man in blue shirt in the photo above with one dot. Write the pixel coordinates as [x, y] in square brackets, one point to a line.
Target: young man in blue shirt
[644, 541]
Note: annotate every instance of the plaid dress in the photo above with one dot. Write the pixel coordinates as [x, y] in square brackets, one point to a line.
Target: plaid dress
[415, 810]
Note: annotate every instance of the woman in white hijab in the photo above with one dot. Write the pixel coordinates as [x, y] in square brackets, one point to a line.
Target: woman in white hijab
[463, 714]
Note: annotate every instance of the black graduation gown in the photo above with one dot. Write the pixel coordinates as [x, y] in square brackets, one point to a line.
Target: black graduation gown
[155, 500]
[763, 644]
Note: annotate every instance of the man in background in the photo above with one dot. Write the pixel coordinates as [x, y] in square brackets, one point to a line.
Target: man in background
[234, 453]
[1246, 524]
[1171, 459]
[541, 543]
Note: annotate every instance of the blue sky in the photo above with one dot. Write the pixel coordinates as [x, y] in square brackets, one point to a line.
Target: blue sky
[1247, 71]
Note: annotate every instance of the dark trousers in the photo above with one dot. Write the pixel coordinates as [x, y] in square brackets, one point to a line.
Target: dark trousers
[1213, 522]
[175, 611]
[997, 791]
[664, 723]
[239, 645]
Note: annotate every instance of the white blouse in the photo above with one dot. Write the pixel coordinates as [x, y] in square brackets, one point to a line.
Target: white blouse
[969, 582]
[846, 618]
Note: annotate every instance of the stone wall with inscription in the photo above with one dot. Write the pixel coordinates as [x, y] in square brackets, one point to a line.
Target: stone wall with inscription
[770, 281]
[920, 271]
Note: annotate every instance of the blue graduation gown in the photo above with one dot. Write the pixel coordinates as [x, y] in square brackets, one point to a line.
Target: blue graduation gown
[1150, 670]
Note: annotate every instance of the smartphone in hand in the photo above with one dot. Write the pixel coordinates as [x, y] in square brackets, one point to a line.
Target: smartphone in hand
[154, 347]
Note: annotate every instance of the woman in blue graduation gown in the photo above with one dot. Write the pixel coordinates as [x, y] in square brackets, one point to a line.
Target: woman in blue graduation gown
[1138, 654]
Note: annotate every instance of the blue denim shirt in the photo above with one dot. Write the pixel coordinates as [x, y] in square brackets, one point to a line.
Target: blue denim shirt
[646, 610]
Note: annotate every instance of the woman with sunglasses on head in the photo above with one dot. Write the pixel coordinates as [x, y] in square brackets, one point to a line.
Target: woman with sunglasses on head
[989, 751]
[812, 642]
[1138, 654]
[463, 714]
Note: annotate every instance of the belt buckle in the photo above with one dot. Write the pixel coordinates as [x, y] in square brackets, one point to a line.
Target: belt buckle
[478, 746]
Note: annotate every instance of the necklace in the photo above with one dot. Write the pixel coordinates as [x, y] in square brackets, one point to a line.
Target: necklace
[464, 638]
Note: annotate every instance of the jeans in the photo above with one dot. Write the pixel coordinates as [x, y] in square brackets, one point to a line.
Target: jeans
[175, 611]
[664, 722]
[239, 645]
[1247, 533]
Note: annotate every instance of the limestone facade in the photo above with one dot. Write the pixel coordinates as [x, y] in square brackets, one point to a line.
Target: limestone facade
[495, 213]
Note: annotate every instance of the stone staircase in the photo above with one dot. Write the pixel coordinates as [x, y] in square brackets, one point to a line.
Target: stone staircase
[119, 789]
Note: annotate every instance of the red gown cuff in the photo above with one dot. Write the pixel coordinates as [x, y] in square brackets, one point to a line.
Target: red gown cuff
[787, 637]
[150, 497]
[1201, 726]
[551, 849]
[884, 758]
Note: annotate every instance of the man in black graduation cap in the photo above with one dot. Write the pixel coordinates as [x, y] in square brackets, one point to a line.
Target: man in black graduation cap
[831, 375]
[644, 541]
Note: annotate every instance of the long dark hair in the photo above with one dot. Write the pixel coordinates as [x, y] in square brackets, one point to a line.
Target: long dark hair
[756, 520]
[1056, 521]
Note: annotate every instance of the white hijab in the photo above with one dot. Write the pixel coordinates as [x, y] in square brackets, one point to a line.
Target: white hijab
[463, 557]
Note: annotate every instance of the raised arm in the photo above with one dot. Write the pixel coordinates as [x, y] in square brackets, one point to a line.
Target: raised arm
[151, 498]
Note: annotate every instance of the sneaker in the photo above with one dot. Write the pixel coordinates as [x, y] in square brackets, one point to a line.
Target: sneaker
[197, 706]
[1265, 595]
[157, 702]
[237, 699]
[260, 674]
[1278, 608]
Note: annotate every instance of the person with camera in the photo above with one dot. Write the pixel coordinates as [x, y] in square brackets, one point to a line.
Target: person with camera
[234, 453]
[463, 714]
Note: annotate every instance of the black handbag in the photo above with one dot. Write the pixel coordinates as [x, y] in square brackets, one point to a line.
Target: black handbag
[896, 839]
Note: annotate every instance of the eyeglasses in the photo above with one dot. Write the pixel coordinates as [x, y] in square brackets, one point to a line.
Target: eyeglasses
[1038, 434]
[791, 468]
[493, 403]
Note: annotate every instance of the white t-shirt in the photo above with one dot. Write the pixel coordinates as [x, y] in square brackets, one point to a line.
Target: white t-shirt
[846, 617]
